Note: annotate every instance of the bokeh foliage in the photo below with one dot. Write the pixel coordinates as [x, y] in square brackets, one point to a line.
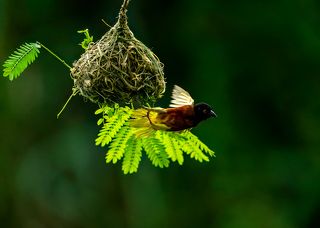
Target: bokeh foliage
[256, 63]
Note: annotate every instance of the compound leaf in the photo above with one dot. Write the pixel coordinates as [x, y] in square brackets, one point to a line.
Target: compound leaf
[20, 60]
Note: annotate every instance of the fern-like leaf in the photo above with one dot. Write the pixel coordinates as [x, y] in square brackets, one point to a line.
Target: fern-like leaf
[114, 120]
[132, 155]
[171, 145]
[193, 150]
[20, 60]
[156, 151]
[118, 145]
[196, 141]
[108, 132]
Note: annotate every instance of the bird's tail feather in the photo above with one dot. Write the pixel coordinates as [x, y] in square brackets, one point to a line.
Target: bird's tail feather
[145, 121]
[140, 118]
[140, 121]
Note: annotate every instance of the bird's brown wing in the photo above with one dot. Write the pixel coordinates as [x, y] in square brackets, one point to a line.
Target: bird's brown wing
[177, 119]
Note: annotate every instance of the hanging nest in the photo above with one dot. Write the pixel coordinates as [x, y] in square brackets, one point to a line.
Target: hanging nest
[119, 68]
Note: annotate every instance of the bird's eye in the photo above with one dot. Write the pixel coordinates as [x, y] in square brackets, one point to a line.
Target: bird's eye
[205, 111]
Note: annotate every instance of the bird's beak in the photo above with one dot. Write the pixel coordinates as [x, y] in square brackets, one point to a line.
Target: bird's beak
[212, 113]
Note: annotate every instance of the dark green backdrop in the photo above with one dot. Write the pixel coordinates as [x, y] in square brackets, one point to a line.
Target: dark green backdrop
[257, 63]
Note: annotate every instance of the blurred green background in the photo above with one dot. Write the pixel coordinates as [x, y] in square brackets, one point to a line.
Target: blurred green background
[257, 63]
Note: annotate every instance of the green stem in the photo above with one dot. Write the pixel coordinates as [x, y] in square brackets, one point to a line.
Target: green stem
[54, 55]
[74, 92]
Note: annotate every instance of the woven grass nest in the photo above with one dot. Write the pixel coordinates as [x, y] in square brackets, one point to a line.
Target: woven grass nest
[118, 68]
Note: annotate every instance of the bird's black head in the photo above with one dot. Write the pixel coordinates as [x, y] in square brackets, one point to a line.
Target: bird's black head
[203, 111]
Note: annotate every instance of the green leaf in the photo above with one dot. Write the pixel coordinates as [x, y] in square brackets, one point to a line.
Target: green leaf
[171, 145]
[20, 60]
[100, 121]
[132, 155]
[156, 151]
[114, 121]
[87, 40]
[119, 144]
[108, 131]
[196, 141]
[100, 110]
[193, 150]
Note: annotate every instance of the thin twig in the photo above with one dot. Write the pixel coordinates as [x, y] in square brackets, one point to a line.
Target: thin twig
[74, 92]
[54, 55]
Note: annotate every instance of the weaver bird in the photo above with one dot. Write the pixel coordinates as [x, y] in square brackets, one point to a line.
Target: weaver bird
[182, 114]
